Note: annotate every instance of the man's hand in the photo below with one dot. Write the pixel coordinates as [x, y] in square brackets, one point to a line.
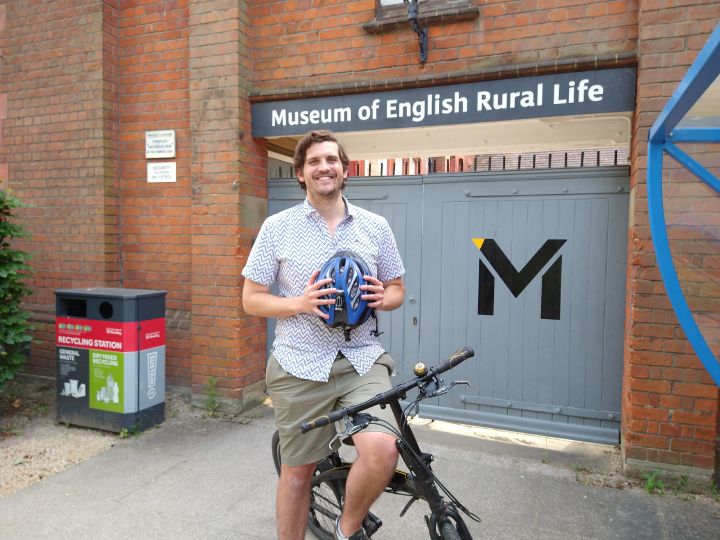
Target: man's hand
[314, 296]
[383, 296]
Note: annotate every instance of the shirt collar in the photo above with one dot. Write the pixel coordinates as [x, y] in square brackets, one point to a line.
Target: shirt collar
[350, 209]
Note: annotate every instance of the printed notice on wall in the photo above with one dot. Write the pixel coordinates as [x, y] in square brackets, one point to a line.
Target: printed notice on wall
[161, 172]
[160, 144]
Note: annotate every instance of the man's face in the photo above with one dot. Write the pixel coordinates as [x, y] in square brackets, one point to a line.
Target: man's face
[323, 173]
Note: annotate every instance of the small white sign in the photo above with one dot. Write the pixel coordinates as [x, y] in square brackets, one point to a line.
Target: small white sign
[160, 144]
[161, 172]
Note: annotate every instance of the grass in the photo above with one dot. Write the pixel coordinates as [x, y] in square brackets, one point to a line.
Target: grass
[211, 402]
[129, 432]
[653, 482]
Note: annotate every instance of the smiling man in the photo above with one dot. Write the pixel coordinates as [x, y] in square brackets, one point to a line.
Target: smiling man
[314, 367]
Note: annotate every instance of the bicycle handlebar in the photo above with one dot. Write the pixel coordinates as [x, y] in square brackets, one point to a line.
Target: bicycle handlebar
[398, 391]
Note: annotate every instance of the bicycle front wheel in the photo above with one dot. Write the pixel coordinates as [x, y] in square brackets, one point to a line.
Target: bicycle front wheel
[326, 498]
[448, 531]
[275, 445]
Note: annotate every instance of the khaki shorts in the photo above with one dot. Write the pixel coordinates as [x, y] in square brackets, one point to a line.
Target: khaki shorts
[296, 400]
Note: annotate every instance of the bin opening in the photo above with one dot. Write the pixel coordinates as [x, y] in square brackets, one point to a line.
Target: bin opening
[106, 310]
[73, 307]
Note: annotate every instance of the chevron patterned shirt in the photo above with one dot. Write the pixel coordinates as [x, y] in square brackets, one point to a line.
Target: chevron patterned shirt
[293, 244]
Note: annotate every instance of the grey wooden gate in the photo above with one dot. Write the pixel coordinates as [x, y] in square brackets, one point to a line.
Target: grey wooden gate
[529, 269]
[526, 267]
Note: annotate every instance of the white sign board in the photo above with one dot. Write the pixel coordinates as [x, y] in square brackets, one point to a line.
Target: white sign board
[160, 144]
[161, 172]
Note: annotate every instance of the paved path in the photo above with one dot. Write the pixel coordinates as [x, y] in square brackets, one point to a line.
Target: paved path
[199, 478]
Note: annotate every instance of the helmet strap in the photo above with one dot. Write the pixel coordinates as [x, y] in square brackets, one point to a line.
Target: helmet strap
[375, 332]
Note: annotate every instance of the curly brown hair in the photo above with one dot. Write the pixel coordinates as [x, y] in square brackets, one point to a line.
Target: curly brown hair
[313, 137]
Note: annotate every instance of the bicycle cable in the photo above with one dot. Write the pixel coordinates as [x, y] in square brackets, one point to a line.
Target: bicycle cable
[437, 481]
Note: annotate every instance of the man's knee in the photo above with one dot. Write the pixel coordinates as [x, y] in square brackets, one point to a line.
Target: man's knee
[378, 447]
[297, 478]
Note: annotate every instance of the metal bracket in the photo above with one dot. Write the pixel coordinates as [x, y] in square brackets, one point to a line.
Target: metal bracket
[672, 126]
[422, 33]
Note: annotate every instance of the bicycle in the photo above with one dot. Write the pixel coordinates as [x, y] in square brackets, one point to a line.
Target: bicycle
[444, 521]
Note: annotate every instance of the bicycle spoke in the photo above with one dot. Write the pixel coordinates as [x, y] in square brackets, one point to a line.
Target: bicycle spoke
[322, 503]
[325, 504]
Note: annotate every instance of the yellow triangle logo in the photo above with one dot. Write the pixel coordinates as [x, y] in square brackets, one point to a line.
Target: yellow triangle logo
[478, 242]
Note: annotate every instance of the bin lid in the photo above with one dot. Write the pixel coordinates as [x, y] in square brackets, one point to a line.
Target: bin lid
[109, 292]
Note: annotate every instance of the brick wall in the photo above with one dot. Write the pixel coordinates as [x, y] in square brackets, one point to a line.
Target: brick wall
[55, 151]
[304, 45]
[228, 194]
[153, 94]
[185, 66]
[82, 83]
[670, 404]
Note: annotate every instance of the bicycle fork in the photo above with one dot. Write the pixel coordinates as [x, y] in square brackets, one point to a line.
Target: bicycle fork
[423, 479]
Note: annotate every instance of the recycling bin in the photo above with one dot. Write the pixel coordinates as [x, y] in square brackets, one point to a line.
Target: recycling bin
[110, 347]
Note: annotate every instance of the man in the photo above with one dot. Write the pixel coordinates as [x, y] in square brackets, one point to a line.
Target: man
[313, 368]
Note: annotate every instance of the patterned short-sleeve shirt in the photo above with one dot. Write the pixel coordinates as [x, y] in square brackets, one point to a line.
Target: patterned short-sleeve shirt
[293, 244]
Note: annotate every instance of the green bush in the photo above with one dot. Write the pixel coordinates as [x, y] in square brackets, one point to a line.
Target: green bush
[14, 325]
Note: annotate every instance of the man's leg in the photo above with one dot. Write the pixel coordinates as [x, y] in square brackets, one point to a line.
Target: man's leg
[369, 475]
[293, 501]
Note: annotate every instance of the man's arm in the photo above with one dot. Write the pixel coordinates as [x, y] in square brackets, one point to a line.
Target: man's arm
[259, 301]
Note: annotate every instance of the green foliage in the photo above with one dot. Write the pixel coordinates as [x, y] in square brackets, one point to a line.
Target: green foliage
[129, 432]
[14, 325]
[212, 394]
[653, 482]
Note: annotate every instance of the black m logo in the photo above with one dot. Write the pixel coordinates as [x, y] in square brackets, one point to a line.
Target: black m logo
[518, 281]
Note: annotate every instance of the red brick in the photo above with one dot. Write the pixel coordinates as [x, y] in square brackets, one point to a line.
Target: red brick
[670, 430]
[648, 441]
[649, 413]
[695, 419]
[645, 385]
[695, 390]
[692, 446]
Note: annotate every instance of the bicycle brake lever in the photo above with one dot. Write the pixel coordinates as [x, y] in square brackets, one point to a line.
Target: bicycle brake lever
[352, 425]
[445, 389]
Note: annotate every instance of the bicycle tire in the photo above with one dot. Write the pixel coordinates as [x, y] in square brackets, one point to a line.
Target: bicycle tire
[326, 499]
[275, 444]
[448, 531]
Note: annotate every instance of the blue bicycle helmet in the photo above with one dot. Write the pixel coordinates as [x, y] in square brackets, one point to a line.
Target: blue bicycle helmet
[346, 269]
